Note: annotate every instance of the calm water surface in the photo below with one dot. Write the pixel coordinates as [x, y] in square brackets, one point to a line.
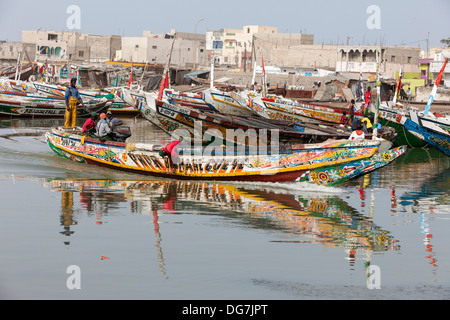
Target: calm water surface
[137, 238]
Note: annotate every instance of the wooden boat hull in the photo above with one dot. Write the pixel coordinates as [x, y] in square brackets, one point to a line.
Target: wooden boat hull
[333, 175]
[39, 108]
[144, 159]
[192, 100]
[433, 135]
[171, 118]
[224, 103]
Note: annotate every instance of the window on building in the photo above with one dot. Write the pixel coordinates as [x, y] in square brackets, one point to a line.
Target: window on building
[53, 37]
[136, 47]
[423, 72]
[81, 54]
[248, 30]
[225, 59]
[201, 50]
[409, 59]
[217, 44]
[392, 58]
[154, 47]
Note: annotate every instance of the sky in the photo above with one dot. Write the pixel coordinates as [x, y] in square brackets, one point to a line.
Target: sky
[396, 22]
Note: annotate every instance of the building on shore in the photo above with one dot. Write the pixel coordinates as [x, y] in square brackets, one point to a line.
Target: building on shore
[363, 59]
[189, 49]
[9, 52]
[61, 47]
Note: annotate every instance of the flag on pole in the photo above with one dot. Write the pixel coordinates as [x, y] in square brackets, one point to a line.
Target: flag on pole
[130, 81]
[264, 75]
[436, 84]
[398, 88]
[43, 67]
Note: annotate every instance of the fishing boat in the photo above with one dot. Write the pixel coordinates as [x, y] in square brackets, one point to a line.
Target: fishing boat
[229, 165]
[19, 73]
[431, 133]
[171, 118]
[187, 99]
[225, 102]
[285, 109]
[429, 128]
[23, 105]
[334, 175]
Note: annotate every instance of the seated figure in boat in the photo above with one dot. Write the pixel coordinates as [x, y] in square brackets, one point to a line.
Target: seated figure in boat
[89, 127]
[358, 133]
[104, 131]
[114, 122]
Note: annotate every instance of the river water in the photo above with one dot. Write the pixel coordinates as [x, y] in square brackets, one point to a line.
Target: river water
[381, 236]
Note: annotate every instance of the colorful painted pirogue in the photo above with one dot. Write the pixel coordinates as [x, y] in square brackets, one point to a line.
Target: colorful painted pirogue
[429, 128]
[145, 159]
[28, 105]
[171, 118]
[340, 173]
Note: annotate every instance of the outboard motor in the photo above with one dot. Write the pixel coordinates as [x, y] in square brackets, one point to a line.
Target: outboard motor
[121, 133]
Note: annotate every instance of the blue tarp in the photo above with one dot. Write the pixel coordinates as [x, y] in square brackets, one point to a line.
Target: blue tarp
[195, 74]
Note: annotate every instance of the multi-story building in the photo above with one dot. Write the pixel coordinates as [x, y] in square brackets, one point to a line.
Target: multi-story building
[240, 48]
[71, 46]
[363, 59]
[189, 49]
[437, 64]
[9, 52]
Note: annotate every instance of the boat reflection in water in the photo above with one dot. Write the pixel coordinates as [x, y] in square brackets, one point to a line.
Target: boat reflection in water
[327, 220]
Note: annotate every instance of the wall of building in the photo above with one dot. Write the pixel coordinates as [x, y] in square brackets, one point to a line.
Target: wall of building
[9, 52]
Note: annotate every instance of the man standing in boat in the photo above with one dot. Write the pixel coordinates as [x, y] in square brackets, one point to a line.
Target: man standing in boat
[367, 98]
[73, 98]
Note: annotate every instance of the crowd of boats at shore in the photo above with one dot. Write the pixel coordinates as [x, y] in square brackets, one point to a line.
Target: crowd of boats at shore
[307, 141]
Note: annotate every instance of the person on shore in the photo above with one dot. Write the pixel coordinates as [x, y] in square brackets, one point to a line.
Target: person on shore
[89, 127]
[103, 129]
[357, 134]
[344, 119]
[403, 94]
[408, 93]
[113, 122]
[73, 98]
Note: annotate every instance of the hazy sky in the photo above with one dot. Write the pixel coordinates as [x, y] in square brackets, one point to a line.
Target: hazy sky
[401, 22]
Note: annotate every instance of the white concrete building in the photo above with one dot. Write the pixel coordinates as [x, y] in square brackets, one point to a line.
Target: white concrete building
[70, 46]
[363, 59]
[189, 50]
[438, 63]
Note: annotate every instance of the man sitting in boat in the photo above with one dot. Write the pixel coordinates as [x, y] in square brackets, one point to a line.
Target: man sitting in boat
[104, 131]
[89, 127]
[114, 122]
[170, 152]
[358, 133]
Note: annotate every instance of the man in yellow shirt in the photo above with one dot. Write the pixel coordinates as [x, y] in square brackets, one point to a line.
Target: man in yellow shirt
[367, 125]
